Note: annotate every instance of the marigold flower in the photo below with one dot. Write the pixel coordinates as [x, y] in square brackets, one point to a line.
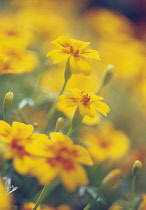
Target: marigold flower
[18, 139]
[62, 158]
[87, 103]
[106, 143]
[75, 50]
[5, 200]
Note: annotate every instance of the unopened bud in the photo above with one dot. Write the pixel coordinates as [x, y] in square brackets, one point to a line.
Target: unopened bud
[136, 167]
[106, 77]
[110, 180]
[59, 123]
[7, 102]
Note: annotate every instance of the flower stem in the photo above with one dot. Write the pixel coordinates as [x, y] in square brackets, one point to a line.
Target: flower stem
[67, 75]
[48, 188]
[93, 201]
[132, 191]
[53, 107]
[5, 167]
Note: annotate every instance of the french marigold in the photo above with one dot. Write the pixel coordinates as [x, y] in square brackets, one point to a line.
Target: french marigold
[5, 200]
[86, 102]
[76, 52]
[18, 138]
[105, 143]
[62, 159]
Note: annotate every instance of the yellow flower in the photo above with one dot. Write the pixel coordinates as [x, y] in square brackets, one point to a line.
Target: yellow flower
[116, 206]
[142, 205]
[105, 143]
[30, 206]
[62, 158]
[18, 139]
[86, 102]
[5, 200]
[76, 52]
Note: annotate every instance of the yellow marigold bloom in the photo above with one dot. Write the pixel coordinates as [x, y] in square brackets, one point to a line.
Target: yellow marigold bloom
[116, 206]
[142, 205]
[86, 102]
[75, 50]
[62, 159]
[5, 200]
[106, 143]
[30, 206]
[18, 138]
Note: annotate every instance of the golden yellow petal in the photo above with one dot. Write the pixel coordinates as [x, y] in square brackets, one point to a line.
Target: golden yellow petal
[58, 55]
[88, 53]
[82, 156]
[22, 130]
[71, 179]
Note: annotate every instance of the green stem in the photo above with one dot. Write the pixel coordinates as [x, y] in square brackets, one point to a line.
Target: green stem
[48, 188]
[53, 107]
[132, 191]
[93, 201]
[5, 167]
[70, 132]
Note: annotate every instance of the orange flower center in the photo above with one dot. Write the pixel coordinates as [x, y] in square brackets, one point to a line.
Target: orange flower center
[64, 157]
[18, 148]
[73, 51]
[85, 99]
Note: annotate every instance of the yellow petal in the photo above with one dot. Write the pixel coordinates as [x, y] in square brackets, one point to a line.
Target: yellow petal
[86, 110]
[88, 53]
[23, 165]
[101, 107]
[71, 179]
[58, 55]
[44, 172]
[79, 65]
[5, 131]
[59, 137]
[82, 155]
[77, 44]
[61, 42]
[22, 130]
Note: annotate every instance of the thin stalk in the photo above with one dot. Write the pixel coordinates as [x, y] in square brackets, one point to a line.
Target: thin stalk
[132, 191]
[93, 201]
[48, 188]
[53, 107]
[5, 167]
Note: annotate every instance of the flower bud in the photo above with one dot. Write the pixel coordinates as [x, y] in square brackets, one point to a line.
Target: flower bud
[7, 102]
[110, 180]
[59, 123]
[106, 77]
[136, 167]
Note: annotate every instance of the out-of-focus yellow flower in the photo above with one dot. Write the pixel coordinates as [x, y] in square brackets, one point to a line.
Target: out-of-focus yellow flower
[30, 206]
[79, 81]
[87, 103]
[105, 143]
[18, 138]
[109, 25]
[76, 52]
[18, 59]
[62, 158]
[116, 206]
[5, 200]
[142, 205]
